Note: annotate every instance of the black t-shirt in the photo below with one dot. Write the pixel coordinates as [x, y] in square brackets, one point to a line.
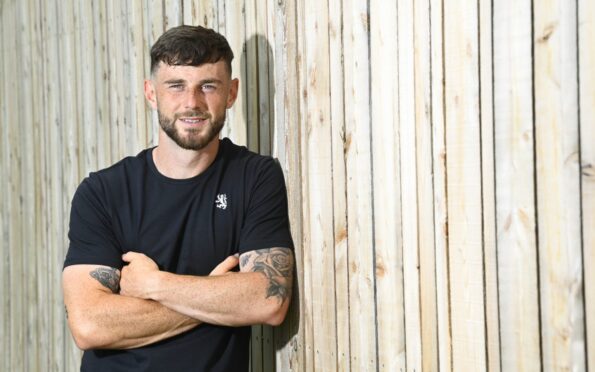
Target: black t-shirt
[238, 204]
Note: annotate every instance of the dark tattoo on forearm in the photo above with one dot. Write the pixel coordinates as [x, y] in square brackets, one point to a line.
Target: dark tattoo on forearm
[108, 277]
[276, 265]
[66, 311]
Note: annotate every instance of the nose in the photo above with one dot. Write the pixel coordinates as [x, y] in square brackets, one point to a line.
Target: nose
[195, 100]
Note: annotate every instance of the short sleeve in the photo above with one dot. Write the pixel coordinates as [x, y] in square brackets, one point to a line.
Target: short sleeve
[266, 224]
[92, 238]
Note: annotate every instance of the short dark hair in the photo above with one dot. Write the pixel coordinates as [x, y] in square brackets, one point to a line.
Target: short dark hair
[190, 46]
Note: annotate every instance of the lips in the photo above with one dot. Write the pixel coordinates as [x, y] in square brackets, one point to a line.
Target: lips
[193, 120]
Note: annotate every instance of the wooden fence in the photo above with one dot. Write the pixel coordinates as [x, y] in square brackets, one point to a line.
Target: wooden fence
[439, 156]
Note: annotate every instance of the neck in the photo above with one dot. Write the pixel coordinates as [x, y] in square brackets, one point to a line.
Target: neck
[175, 162]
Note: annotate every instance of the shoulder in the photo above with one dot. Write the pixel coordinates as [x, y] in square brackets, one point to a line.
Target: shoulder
[255, 165]
[102, 182]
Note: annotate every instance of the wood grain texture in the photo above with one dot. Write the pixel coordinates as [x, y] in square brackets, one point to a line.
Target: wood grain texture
[437, 157]
[390, 305]
[463, 166]
[558, 186]
[359, 186]
[517, 240]
[586, 73]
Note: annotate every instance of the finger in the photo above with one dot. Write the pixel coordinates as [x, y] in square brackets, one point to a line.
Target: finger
[129, 256]
[226, 265]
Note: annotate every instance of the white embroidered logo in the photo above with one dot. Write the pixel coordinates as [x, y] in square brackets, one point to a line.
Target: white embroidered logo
[221, 201]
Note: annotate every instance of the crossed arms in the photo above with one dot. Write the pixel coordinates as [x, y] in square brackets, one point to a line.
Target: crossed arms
[141, 305]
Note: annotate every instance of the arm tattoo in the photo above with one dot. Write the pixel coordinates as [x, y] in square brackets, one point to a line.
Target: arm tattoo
[276, 265]
[108, 277]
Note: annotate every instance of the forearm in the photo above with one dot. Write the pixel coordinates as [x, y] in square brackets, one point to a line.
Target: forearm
[112, 321]
[233, 300]
[100, 318]
[258, 294]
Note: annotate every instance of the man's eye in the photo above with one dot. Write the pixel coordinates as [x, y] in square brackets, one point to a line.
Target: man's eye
[176, 86]
[208, 87]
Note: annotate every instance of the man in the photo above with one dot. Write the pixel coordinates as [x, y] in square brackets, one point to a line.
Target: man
[148, 279]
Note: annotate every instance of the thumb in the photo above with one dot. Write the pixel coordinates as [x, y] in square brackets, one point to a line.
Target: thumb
[226, 265]
[130, 256]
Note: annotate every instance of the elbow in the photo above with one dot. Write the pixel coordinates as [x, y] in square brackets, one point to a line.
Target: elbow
[82, 338]
[277, 314]
[86, 335]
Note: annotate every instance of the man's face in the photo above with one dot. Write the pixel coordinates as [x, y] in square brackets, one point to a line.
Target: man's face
[191, 101]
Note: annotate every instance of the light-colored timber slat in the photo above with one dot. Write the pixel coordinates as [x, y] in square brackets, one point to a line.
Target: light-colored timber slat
[438, 154]
[515, 209]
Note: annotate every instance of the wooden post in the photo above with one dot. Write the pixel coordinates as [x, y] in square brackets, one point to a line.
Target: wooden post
[517, 258]
[387, 188]
[341, 232]
[464, 185]
[558, 185]
[425, 191]
[408, 177]
[488, 185]
[440, 197]
[586, 73]
[236, 126]
[359, 186]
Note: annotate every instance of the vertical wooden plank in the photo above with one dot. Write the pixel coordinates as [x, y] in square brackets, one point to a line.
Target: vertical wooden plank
[206, 13]
[307, 314]
[124, 65]
[235, 35]
[290, 355]
[425, 190]
[517, 253]
[5, 229]
[359, 183]
[188, 11]
[262, 73]
[4, 210]
[154, 28]
[102, 117]
[173, 13]
[253, 120]
[87, 86]
[251, 76]
[68, 161]
[440, 199]
[55, 225]
[27, 194]
[16, 305]
[409, 202]
[4, 215]
[558, 185]
[337, 97]
[586, 63]
[137, 65]
[387, 187]
[318, 180]
[267, 120]
[464, 185]
[487, 185]
[115, 81]
[39, 212]
[256, 364]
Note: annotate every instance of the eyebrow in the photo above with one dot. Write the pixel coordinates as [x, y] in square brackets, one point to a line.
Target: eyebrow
[174, 81]
[202, 82]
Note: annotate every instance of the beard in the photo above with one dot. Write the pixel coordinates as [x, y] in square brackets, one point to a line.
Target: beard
[192, 140]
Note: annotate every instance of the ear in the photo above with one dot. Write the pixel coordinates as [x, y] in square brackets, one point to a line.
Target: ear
[150, 94]
[233, 92]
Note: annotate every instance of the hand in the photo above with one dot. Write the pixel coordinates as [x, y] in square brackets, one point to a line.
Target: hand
[135, 280]
[136, 277]
[226, 265]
